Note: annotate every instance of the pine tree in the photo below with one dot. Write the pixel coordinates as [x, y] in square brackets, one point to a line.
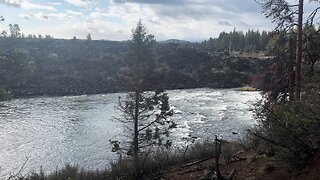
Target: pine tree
[14, 31]
[146, 107]
[89, 37]
[289, 16]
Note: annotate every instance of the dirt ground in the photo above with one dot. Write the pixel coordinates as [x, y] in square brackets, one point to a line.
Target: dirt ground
[250, 166]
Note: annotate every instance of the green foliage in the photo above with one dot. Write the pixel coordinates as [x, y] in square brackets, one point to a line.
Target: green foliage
[280, 79]
[89, 38]
[17, 67]
[280, 12]
[4, 33]
[144, 113]
[289, 130]
[14, 31]
[277, 83]
[4, 94]
[153, 125]
[251, 41]
[141, 70]
[311, 52]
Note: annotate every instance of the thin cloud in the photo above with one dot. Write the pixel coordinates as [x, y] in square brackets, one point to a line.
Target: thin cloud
[41, 16]
[29, 5]
[55, 3]
[12, 3]
[60, 16]
[224, 23]
[152, 1]
[46, 17]
[26, 16]
[74, 13]
[82, 3]
[25, 4]
[97, 14]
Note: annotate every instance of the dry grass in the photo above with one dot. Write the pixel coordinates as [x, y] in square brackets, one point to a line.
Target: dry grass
[151, 165]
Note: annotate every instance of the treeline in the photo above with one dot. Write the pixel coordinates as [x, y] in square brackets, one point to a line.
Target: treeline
[32, 67]
[251, 41]
[14, 31]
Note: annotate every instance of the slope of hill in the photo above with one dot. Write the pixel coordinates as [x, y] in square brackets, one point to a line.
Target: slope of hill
[33, 67]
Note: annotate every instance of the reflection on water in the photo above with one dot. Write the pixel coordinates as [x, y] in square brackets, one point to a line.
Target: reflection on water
[54, 131]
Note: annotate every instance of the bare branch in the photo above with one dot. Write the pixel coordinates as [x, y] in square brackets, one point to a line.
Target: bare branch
[312, 15]
[148, 125]
[20, 170]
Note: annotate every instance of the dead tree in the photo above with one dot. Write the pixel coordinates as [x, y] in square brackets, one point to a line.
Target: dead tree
[217, 172]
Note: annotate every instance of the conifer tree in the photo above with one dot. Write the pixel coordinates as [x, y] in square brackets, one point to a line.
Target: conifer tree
[89, 38]
[287, 17]
[146, 107]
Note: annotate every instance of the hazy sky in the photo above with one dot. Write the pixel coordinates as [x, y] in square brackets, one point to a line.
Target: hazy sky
[113, 19]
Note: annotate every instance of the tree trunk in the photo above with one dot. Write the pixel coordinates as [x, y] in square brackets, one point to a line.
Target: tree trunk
[217, 158]
[136, 133]
[291, 70]
[299, 52]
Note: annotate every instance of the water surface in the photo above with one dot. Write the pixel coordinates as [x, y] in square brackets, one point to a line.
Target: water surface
[53, 131]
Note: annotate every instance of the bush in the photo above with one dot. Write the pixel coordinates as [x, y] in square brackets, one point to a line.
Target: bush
[228, 150]
[4, 94]
[152, 163]
[160, 159]
[69, 172]
[289, 130]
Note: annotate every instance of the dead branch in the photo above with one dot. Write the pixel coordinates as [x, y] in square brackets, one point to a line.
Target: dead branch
[21, 168]
[196, 162]
[193, 170]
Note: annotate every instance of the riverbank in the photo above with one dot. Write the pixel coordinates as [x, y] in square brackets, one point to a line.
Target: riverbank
[251, 166]
[196, 162]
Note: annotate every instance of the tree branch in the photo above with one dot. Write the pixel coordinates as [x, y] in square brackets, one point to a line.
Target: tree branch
[18, 173]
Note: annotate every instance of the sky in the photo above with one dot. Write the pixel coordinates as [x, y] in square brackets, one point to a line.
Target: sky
[192, 20]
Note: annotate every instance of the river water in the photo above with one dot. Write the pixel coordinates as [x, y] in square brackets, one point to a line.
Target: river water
[53, 131]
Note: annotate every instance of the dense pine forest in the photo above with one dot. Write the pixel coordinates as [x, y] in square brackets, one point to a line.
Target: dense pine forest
[238, 41]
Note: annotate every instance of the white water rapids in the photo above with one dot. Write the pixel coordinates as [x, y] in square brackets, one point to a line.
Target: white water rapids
[53, 131]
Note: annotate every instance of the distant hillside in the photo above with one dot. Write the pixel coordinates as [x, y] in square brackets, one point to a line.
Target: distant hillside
[177, 41]
[33, 67]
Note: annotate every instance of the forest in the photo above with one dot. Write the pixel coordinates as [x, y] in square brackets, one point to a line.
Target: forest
[238, 41]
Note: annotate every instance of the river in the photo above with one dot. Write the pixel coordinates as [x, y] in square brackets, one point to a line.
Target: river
[53, 131]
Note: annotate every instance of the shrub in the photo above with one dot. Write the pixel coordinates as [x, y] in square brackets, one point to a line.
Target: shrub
[289, 130]
[151, 163]
[4, 94]
[159, 159]
[228, 150]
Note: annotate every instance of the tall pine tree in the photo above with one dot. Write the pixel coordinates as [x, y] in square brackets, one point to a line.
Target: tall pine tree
[146, 107]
